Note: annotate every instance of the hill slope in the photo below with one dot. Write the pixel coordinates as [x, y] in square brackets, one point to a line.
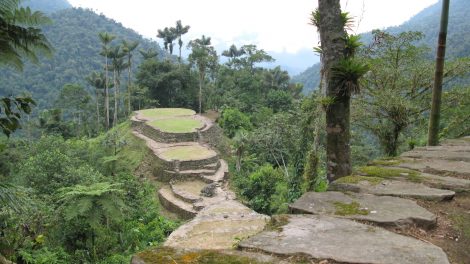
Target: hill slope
[427, 21]
[47, 6]
[74, 36]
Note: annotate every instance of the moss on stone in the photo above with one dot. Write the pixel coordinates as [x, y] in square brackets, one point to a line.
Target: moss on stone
[166, 255]
[354, 179]
[353, 208]
[388, 173]
[386, 162]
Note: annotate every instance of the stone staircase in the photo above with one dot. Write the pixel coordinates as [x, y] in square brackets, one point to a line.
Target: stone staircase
[359, 220]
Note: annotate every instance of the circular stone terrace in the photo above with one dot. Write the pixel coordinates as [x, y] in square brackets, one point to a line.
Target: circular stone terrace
[161, 113]
[187, 153]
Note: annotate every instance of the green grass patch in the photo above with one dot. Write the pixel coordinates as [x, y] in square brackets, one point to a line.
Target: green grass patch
[386, 162]
[166, 255]
[355, 179]
[177, 125]
[187, 153]
[353, 208]
[389, 173]
[462, 222]
[165, 112]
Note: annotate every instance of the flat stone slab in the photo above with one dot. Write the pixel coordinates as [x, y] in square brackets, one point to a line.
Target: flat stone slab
[458, 169]
[344, 241]
[218, 226]
[394, 188]
[440, 153]
[382, 210]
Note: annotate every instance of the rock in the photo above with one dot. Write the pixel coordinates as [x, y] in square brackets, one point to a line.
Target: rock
[218, 226]
[382, 210]
[458, 169]
[393, 188]
[343, 241]
[209, 190]
[443, 153]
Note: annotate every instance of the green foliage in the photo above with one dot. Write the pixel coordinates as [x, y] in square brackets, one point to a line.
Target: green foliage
[279, 100]
[348, 72]
[456, 113]
[21, 35]
[11, 109]
[266, 190]
[233, 120]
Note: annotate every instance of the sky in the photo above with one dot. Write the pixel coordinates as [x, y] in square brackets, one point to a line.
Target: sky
[273, 25]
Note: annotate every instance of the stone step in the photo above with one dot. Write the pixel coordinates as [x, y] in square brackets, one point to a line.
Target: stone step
[174, 204]
[377, 186]
[213, 166]
[219, 226]
[326, 238]
[220, 175]
[435, 181]
[444, 153]
[381, 210]
[465, 141]
[459, 169]
[188, 191]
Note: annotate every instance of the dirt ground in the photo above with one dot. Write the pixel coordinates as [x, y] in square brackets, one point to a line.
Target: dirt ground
[452, 233]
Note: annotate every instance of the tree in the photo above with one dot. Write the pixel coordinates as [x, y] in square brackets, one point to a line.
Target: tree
[433, 134]
[96, 205]
[127, 49]
[179, 31]
[97, 80]
[148, 54]
[168, 36]
[205, 58]
[75, 99]
[106, 39]
[117, 66]
[233, 53]
[20, 34]
[333, 44]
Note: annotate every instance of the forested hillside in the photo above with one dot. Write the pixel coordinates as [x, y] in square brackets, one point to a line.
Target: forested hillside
[74, 37]
[47, 6]
[427, 22]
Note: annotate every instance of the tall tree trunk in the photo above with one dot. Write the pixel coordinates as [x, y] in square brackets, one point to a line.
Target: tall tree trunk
[129, 87]
[332, 36]
[97, 111]
[115, 99]
[201, 81]
[433, 134]
[106, 91]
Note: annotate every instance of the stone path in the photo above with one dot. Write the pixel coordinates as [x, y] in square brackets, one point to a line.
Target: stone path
[342, 225]
[196, 186]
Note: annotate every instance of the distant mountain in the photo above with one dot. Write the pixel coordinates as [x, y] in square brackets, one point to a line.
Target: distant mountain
[427, 21]
[47, 6]
[74, 36]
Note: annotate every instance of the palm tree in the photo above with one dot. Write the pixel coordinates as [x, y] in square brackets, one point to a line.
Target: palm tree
[127, 49]
[97, 80]
[168, 35]
[117, 66]
[106, 39]
[180, 30]
[433, 135]
[20, 35]
[95, 205]
[205, 57]
[148, 54]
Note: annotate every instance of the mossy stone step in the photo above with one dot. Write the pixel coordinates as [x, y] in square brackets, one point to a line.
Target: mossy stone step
[326, 238]
[381, 210]
[459, 169]
[379, 186]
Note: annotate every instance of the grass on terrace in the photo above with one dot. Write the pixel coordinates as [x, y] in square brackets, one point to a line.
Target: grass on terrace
[177, 125]
[187, 153]
[154, 113]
